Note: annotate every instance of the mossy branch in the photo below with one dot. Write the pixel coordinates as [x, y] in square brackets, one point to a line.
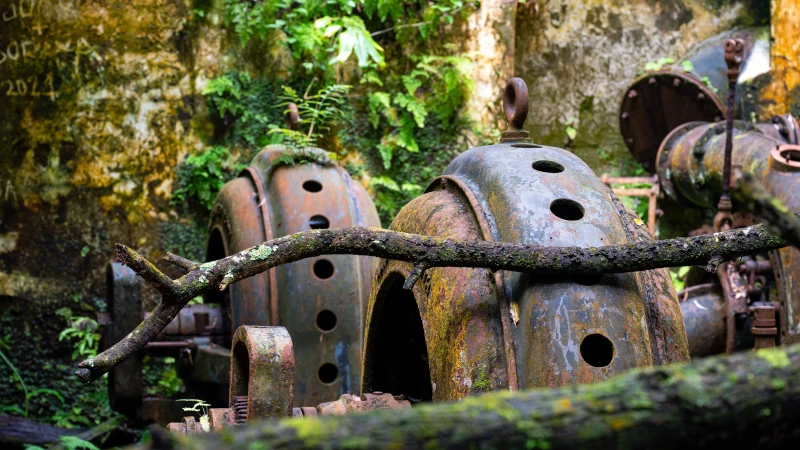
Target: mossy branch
[423, 252]
[747, 400]
[751, 196]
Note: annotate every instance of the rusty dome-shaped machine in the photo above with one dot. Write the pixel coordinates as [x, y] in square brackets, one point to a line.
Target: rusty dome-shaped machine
[462, 331]
[674, 124]
[321, 301]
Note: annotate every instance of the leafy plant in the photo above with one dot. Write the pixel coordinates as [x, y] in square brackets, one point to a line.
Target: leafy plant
[657, 65]
[69, 443]
[678, 276]
[160, 377]
[246, 107]
[708, 84]
[406, 110]
[202, 175]
[83, 332]
[317, 113]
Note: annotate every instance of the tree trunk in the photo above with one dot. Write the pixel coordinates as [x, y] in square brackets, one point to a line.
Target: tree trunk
[748, 400]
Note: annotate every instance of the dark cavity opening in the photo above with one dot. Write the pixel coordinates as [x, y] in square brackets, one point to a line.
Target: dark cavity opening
[791, 155]
[597, 350]
[241, 365]
[526, 146]
[396, 359]
[567, 209]
[323, 269]
[312, 186]
[587, 280]
[548, 166]
[326, 320]
[319, 222]
[327, 373]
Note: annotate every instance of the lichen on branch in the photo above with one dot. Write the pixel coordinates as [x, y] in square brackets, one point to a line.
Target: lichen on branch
[424, 252]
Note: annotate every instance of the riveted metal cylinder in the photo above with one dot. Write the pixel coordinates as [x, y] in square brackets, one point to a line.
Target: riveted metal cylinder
[462, 331]
[321, 301]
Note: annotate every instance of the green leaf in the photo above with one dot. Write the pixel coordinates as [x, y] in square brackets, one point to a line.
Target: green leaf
[572, 133]
[385, 152]
[384, 181]
[412, 105]
[687, 66]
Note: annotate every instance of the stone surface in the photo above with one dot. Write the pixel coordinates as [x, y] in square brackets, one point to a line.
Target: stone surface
[578, 57]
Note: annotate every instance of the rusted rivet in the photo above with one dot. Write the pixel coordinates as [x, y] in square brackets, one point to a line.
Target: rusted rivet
[652, 80]
[515, 103]
[629, 141]
[625, 115]
[676, 82]
[701, 96]
[633, 94]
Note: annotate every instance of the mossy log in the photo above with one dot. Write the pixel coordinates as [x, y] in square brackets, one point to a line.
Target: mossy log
[748, 400]
[17, 431]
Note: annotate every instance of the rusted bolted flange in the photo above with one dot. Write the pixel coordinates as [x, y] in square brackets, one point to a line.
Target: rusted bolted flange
[515, 108]
[262, 373]
[787, 156]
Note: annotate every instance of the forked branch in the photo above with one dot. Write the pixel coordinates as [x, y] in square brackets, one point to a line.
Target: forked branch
[423, 252]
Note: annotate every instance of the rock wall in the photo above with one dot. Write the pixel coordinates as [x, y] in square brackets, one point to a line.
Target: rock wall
[579, 56]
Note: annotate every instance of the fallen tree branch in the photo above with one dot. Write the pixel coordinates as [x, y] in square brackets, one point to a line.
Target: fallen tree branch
[747, 400]
[752, 196]
[424, 252]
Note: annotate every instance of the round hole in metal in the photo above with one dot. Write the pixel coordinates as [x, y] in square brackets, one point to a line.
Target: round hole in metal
[326, 320]
[567, 209]
[318, 222]
[597, 350]
[312, 186]
[323, 269]
[548, 166]
[327, 373]
[587, 280]
[526, 146]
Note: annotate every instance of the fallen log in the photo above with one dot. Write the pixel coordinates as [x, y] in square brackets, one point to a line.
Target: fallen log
[748, 400]
[17, 431]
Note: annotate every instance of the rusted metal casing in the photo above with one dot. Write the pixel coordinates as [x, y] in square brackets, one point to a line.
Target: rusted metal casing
[690, 166]
[262, 373]
[704, 316]
[321, 301]
[462, 331]
[658, 101]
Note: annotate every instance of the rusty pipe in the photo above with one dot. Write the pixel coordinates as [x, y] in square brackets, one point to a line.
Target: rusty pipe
[690, 165]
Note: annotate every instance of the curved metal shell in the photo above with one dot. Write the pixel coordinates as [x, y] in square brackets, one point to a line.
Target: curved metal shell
[321, 301]
[531, 332]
